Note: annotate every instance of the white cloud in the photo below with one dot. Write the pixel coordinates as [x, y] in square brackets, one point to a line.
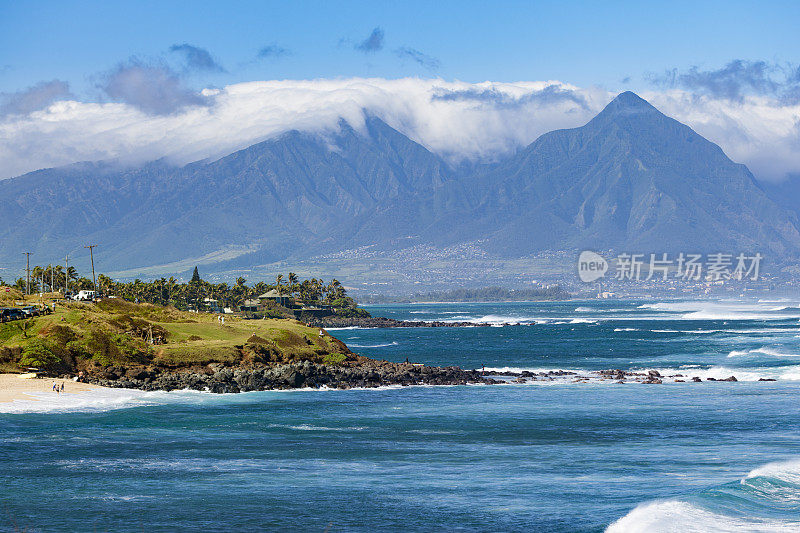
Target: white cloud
[757, 131]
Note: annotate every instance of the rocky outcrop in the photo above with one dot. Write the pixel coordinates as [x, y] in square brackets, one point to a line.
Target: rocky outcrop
[216, 378]
[653, 377]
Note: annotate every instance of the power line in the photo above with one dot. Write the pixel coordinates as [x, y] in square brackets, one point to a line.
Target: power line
[28, 272]
[91, 255]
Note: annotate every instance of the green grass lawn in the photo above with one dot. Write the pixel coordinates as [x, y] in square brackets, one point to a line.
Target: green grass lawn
[116, 332]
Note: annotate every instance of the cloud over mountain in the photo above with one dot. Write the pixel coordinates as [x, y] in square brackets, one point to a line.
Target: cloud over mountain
[33, 98]
[736, 80]
[152, 114]
[152, 88]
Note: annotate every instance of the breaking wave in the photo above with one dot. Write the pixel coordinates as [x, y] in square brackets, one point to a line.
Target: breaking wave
[764, 350]
[765, 500]
[382, 345]
[495, 320]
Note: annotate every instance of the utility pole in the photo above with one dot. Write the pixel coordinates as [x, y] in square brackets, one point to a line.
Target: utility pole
[66, 275]
[28, 271]
[91, 255]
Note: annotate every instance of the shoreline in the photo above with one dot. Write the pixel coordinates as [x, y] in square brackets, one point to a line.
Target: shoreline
[309, 376]
[12, 387]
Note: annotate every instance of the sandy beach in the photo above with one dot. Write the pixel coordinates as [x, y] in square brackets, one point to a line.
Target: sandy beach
[12, 387]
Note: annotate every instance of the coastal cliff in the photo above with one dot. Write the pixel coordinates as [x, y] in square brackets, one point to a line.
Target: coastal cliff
[115, 343]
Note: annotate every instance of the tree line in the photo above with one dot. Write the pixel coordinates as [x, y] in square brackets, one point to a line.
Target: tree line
[191, 294]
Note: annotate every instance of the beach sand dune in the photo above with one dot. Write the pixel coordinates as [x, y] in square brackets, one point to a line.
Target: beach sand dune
[12, 387]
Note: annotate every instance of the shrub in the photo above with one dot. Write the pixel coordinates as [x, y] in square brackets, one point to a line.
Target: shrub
[352, 312]
[334, 359]
[59, 334]
[39, 355]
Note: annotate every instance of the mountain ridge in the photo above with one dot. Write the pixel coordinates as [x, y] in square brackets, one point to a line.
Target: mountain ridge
[630, 179]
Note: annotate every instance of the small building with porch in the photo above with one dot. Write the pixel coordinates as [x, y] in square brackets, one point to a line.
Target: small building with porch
[274, 296]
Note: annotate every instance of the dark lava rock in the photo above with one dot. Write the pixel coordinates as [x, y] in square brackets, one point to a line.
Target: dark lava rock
[367, 373]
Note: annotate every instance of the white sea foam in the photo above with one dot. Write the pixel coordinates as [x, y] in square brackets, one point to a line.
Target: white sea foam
[495, 320]
[382, 345]
[95, 400]
[774, 482]
[626, 329]
[722, 310]
[693, 331]
[683, 517]
[310, 427]
[518, 370]
[686, 372]
[782, 373]
[710, 314]
[786, 471]
[764, 350]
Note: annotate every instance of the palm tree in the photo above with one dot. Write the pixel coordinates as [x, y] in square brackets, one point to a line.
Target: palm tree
[105, 283]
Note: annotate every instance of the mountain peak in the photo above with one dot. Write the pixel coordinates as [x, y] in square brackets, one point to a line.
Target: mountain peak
[628, 108]
[630, 99]
[628, 103]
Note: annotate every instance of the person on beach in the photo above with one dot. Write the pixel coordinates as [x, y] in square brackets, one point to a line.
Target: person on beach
[62, 387]
[54, 386]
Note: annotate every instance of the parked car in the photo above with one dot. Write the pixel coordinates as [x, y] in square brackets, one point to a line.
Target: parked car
[15, 314]
[31, 311]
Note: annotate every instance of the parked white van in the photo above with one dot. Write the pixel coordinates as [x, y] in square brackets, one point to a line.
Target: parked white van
[84, 296]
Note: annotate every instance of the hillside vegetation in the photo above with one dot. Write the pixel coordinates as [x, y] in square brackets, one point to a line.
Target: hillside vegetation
[96, 338]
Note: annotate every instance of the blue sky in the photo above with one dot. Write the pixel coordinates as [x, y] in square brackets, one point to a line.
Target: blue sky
[144, 80]
[584, 43]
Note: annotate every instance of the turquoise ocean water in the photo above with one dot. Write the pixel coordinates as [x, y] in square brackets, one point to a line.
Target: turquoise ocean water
[555, 456]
